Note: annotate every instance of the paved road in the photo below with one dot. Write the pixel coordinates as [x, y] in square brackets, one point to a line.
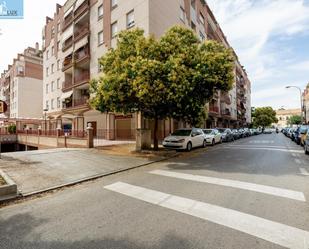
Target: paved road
[249, 194]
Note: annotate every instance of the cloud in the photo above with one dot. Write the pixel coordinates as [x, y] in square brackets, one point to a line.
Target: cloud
[265, 36]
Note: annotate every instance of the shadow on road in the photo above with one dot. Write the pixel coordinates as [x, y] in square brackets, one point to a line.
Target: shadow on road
[20, 231]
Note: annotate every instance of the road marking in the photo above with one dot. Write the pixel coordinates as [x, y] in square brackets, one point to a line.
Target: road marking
[297, 161]
[285, 193]
[262, 142]
[271, 231]
[256, 146]
[304, 171]
[262, 148]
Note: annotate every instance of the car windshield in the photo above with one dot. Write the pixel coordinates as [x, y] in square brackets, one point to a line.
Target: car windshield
[181, 133]
[303, 129]
[207, 131]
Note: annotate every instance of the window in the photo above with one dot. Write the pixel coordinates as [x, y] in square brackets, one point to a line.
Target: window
[100, 11]
[100, 38]
[130, 19]
[46, 88]
[20, 70]
[58, 45]
[58, 64]
[114, 3]
[58, 83]
[52, 87]
[52, 68]
[47, 54]
[202, 36]
[52, 104]
[46, 105]
[53, 31]
[193, 26]
[53, 50]
[114, 29]
[182, 14]
[58, 102]
[202, 19]
[47, 71]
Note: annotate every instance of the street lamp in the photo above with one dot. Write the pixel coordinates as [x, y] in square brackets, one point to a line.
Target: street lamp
[301, 101]
[45, 118]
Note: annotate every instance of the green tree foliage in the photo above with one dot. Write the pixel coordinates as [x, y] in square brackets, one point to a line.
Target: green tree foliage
[171, 77]
[294, 120]
[264, 116]
[12, 129]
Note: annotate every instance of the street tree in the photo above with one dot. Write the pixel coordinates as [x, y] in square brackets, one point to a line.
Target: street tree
[294, 120]
[171, 77]
[264, 116]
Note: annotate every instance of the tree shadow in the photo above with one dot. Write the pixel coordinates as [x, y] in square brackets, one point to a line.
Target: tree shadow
[18, 232]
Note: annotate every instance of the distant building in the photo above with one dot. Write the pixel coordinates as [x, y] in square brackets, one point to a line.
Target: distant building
[21, 85]
[284, 115]
[306, 104]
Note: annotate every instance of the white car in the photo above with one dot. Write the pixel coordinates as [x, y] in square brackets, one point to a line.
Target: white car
[185, 139]
[212, 136]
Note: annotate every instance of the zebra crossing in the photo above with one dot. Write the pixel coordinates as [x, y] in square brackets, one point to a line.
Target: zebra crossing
[271, 231]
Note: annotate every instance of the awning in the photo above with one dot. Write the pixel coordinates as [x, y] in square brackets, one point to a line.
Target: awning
[66, 95]
[67, 33]
[68, 11]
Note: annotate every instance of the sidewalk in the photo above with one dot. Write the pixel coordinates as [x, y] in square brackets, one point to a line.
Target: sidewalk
[38, 171]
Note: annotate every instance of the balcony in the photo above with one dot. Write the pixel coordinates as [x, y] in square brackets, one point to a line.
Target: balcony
[67, 44]
[67, 63]
[84, 7]
[226, 112]
[81, 78]
[81, 101]
[82, 54]
[214, 109]
[81, 32]
[67, 21]
[67, 85]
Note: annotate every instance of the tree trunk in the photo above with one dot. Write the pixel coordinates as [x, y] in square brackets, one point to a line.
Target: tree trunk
[155, 135]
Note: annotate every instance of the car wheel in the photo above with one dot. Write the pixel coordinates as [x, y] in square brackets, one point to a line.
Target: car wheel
[189, 146]
[221, 141]
[213, 142]
[204, 144]
[306, 150]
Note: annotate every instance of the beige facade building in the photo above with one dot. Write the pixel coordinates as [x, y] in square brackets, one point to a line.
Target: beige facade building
[306, 104]
[283, 116]
[21, 85]
[81, 31]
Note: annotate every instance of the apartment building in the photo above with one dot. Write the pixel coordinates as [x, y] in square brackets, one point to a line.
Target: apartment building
[81, 31]
[21, 85]
[306, 104]
[283, 116]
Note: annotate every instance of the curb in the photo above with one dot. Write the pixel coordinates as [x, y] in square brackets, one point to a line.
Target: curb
[86, 179]
[8, 191]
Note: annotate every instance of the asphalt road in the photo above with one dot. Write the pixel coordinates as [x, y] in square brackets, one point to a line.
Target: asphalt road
[249, 194]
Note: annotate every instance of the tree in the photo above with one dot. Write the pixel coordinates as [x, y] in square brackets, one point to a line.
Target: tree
[294, 120]
[264, 116]
[171, 77]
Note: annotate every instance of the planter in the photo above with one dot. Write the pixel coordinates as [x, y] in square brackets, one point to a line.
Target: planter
[9, 190]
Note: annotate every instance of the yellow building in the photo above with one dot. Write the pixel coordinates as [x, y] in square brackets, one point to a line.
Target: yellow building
[284, 115]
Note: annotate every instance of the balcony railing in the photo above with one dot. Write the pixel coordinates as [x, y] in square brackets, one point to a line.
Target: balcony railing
[81, 9]
[226, 112]
[67, 84]
[81, 32]
[82, 77]
[82, 54]
[67, 44]
[214, 109]
[81, 101]
[67, 21]
[67, 63]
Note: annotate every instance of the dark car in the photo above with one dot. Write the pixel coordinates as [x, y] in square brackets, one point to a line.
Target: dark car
[296, 136]
[236, 134]
[227, 135]
[306, 143]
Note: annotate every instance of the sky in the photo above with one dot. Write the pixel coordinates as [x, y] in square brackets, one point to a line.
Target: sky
[271, 38]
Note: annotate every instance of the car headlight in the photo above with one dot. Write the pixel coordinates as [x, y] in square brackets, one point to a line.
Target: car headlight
[180, 141]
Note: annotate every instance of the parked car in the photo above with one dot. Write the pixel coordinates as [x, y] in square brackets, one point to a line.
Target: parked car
[227, 135]
[212, 136]
[268, 131]
[185, 139]
[236, 134]
[296, 135]
[303, 134]
[306, 143]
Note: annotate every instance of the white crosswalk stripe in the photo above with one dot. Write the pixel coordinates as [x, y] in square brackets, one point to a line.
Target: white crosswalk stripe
[286, 193]
[271, 231]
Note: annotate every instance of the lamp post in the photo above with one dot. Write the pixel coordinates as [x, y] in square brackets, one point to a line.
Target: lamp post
[301, 101]
[45, 119]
